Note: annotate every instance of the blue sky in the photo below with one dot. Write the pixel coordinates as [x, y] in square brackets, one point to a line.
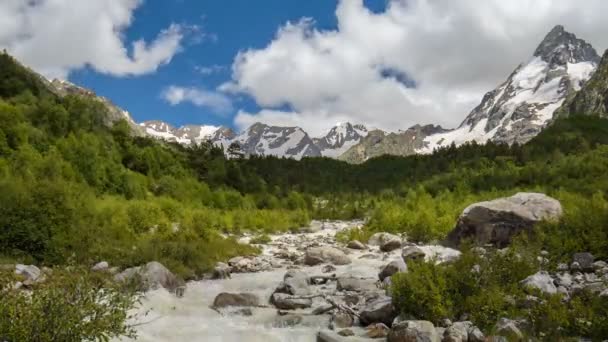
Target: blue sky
[228, 26]
[388, 64]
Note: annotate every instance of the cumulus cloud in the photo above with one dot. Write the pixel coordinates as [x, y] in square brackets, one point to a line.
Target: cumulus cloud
[58, 36]
[217, 102]
[451, 53]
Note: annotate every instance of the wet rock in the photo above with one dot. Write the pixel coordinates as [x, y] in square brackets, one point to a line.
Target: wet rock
[391, 245]
[541, 281]
[341, 320]
[413, 331]
[356, 284]
[221, 271]
[318, 255]
[369, 256]
[286, 302]
[393, 267]
[355, 245]
[379, 310]
[508, 328]
[294, 283]
[497, 221]
[102, 266]
[225, 299]
[287, 321]
[475, 335]
[412, 253]
[328, 269]
[331, 336]
[346, 333]
[151, 276]
[380, 239]
[320, 310]
[585, 260]
[247, 312]
[378, 330]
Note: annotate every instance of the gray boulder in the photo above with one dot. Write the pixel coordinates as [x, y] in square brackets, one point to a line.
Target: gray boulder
[318, 255]
[414, 331]
[294, 283]
[412, 253]
[379, 239]
[31, 273]
[225, 299]
[151, 276]
[391, 245]
[584, 260]
[541, 281]
[355, 245]
[221, 271]
[102, 266]
[380, 310]
[497, 221]
[508, 328]
[395, 266]
[286, 302]
[457, 332]
[341, 320]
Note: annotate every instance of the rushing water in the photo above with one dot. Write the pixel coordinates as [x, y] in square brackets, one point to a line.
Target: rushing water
[164, 317]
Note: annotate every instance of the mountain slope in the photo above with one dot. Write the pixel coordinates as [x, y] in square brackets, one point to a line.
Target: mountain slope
[189, 134]
[292, 142]
[378, 143]
[592, 99]
[340, 138]
[520, 107]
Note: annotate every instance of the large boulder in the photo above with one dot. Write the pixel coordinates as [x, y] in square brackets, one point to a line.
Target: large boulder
[151, 276]
[380, 310]
[287, 302]
[414, 331]
[355, 244]
[294, 283]
[379, 239]
[391, 245]
[225, 299]
[508, 328]
[412, 253]
[497, 221]
[584, 260]
[31, 273]
[541, 281]
[326, 254]
[221, 271]
[395, 266]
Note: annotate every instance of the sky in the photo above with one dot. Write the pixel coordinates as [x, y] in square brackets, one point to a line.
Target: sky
[388, 64]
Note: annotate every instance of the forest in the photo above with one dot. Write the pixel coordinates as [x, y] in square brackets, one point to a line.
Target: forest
[75, 190]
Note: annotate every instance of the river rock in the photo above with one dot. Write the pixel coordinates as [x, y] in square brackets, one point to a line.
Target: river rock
[294, 283]
[286, 302]
[332, 336]
[346, 332]
[356, 284]
[31, 273]
[497, 221]
[508, 328]
[412, 253]
[341, 320]
[325, 254]
[287, 321]
[355, 245]
[391, 245]
[541, 281]
[102, 266]
[584, 260]
[379, 239]
[395, 266]
[380, 310]
[225, 299]
[414, 331]
[151, 276]
[457, 332]
[221, 271]
[378, 330]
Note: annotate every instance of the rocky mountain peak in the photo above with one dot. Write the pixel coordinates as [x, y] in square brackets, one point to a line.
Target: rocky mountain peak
[561, 47]
[340, 138]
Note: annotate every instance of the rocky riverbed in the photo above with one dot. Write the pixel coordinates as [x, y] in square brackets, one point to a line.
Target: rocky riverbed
[285, 294]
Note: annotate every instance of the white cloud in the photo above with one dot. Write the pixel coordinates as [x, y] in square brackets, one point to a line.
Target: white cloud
[58, 36]
[455, 51]
[215, 101]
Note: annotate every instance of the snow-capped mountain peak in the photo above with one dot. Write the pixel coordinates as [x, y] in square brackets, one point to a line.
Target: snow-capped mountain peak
[262, 139]
[340, 138]
[520, 107]
[189, 134]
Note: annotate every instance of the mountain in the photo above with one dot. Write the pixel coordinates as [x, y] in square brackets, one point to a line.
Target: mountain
[63, 88]
[292, 142]
[592, 99]
[188, 134]
[340, 138]
[520, 107]
[378, 143]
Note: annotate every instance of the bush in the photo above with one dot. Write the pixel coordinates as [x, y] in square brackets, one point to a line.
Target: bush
[70, 306]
